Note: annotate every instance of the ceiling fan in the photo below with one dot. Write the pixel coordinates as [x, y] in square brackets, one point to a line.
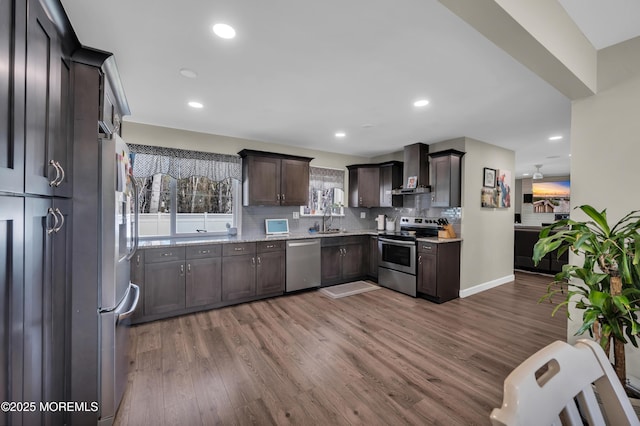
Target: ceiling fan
[538, 174]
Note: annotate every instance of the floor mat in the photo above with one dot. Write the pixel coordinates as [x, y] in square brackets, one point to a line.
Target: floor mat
[348, 289]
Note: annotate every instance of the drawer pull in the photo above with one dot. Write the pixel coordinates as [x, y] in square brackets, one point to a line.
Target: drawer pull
[205, 251]
[238, 248]
[426, 247]
[271, 246]
[167, 254]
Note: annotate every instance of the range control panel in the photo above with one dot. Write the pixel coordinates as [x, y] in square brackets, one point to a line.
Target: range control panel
[423, 222]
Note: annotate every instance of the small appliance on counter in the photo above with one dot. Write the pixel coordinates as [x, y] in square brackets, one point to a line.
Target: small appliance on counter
[276, 226]
[381, 222]
[391, 224]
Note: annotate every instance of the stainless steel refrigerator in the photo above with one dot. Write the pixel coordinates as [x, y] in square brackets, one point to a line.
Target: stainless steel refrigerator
[104, 297]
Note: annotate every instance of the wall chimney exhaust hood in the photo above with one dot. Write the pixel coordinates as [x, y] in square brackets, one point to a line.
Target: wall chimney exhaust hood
[416, 164]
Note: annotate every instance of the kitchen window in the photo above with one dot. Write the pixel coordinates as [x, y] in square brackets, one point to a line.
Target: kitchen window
[185, 193]
[326, 192]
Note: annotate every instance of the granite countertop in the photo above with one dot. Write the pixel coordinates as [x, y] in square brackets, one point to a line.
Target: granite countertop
[256, 237]
[246, 238]
[437, 240]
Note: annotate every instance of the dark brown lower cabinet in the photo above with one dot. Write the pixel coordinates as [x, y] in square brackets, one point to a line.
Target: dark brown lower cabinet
[177, 278]
[203, 284]
[331, 265]
[373, 257]
[164, 289]
[238, 277]
[344, 259]
[439, 271]
[252, 269]
[270, 277]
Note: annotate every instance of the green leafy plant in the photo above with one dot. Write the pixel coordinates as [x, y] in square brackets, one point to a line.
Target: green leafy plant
[607, 284]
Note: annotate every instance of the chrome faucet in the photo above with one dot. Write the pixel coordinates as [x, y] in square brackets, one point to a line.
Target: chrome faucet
[326, 218]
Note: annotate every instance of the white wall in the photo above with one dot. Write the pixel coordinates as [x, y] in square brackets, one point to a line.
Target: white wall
[605, 147]
[487, 246]
[488, 258]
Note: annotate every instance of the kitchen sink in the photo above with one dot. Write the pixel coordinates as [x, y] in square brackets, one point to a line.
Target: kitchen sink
[329, 231]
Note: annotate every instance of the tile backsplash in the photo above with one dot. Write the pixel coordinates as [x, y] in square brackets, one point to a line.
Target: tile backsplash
[253, 217]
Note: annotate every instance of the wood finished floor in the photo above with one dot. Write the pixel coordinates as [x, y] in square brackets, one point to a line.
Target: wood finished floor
[376, 358]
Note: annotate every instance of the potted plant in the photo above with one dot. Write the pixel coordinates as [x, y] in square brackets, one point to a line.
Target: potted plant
[606, 287]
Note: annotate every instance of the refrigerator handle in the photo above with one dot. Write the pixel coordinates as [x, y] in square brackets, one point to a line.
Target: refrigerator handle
[136, 239]
[133, 305]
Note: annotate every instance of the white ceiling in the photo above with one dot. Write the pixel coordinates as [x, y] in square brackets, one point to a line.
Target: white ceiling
[298, 71]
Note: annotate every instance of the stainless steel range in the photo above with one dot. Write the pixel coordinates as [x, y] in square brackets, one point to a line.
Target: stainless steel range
[397, 260]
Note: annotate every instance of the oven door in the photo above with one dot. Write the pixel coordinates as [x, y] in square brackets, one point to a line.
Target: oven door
[397, 255]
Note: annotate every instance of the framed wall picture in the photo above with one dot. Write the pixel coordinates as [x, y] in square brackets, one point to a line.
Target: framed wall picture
[489, 178]
[412, 182]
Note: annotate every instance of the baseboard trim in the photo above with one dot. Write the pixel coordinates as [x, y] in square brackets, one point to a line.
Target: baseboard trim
[486, 286]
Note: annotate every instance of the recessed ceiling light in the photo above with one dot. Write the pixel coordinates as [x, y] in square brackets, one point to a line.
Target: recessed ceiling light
[525, 174]
[224, 31]
[186, 72]
[340, 134]
[194, 104]
[421, 103]
[555, 138]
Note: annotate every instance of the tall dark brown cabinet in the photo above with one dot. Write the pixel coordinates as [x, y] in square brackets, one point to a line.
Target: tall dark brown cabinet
[35, 206]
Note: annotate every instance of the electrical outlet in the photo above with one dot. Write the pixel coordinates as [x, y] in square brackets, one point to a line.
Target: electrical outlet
[363, 215]
[296, 215]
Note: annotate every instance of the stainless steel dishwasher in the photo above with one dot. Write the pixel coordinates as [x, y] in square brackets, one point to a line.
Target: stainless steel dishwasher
[303, 264]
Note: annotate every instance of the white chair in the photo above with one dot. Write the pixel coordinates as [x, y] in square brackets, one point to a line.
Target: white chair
[555, 386]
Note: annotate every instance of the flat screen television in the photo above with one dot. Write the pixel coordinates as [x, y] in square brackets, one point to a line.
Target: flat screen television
[551, 197]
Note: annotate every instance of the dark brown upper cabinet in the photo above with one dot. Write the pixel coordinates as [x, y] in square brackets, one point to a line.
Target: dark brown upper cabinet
[371, 185]
[364, 185]
[270, 179]
[445, 178]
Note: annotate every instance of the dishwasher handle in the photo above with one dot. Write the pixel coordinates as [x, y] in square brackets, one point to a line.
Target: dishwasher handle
[303, 243]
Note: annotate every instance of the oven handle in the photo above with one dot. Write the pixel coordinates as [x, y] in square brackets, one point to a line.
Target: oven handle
[397, 242]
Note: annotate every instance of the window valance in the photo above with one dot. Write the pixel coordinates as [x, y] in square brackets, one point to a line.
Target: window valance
[182, 163]
[321, 178]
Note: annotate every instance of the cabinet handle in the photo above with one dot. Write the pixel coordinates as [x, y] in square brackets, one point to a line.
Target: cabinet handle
[55, 166]
[138, 260]
[238, 248]
[57, 211]
[167, 254]
[188, 268]
[282, 197]
[278, 197]
[426, 247]
[205, 251]
[181, 270]
[62, 174]
[270, 246]
[55, 221]
[259, 261]
[420, 259]
[253, 261]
